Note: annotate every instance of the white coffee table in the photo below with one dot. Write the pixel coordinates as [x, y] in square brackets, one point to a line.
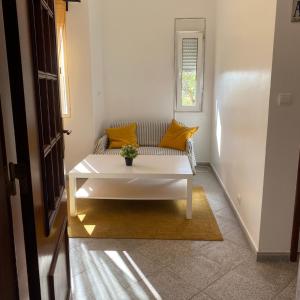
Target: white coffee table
[152, 177]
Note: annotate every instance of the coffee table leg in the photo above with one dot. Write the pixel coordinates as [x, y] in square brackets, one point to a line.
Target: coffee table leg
[189, 202]
[72, 196]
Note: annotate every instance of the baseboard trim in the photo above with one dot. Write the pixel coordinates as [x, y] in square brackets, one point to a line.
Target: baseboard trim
[272, 257]
[230, 201]
[203, 164]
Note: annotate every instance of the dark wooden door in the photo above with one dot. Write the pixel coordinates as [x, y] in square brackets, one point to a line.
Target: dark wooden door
[13, 271]
[32, 63]
[45, 60]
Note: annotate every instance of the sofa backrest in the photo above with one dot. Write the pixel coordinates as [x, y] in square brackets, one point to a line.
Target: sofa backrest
[149, 133]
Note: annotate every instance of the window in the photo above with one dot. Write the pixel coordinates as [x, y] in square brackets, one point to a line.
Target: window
[189, 70]
[63, 80]
[60, 8]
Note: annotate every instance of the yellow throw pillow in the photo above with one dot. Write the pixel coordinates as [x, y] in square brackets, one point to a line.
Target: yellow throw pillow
[121, 136]
[176, 136]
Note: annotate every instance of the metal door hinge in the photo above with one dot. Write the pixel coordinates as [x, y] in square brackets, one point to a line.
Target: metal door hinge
[16, 171]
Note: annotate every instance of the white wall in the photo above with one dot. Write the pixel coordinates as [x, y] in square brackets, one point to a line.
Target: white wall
[96, 40]
[244, 49]
[84, 40]
[283, 142]
[138, 53]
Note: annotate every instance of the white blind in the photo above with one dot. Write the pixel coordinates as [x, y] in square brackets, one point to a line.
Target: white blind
[189, 54]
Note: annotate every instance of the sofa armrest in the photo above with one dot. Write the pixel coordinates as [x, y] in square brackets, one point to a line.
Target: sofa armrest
[101, 145]
[190, 153]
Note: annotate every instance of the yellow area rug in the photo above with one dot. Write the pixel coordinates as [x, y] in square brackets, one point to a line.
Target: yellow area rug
[132, 219]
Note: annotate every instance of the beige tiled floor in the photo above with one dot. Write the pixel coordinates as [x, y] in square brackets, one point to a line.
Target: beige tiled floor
[153, 269]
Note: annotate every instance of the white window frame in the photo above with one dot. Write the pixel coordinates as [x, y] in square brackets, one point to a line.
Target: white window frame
[180, 35]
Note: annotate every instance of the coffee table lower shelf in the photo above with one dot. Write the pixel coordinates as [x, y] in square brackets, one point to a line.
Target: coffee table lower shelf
[130, 189]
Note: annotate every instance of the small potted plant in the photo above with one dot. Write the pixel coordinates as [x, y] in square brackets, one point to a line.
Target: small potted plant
[129, 152]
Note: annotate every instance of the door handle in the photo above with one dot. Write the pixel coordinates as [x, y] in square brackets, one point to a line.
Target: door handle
[67, 131]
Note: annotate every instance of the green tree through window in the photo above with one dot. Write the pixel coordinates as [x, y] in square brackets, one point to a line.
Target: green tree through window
[189, 88]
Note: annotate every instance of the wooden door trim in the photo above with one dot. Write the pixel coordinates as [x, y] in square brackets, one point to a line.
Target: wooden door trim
[10, 18]
[9, 288]
[63, 237]
[38, 247]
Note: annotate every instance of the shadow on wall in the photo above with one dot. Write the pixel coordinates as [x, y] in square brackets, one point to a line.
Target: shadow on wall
[218, 129]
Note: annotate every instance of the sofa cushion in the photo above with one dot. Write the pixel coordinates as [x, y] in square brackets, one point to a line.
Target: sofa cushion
[149, 133]
[177, 136]
[148, 151]
[122, 136]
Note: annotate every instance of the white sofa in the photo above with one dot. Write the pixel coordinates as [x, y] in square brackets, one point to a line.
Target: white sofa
[149, 135]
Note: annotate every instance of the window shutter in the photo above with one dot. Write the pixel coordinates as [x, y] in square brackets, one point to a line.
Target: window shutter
[189, 54]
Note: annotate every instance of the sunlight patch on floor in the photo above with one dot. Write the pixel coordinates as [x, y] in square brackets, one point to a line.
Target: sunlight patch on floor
[89, 228]
[142, 276]
[119, 262]
[111, 274]
[81, 217]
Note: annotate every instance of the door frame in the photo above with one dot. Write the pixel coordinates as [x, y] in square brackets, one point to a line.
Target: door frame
[45, 254]
[9, 288]
[11, 28]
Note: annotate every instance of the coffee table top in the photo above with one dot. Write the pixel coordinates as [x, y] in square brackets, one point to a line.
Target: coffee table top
[111, 166]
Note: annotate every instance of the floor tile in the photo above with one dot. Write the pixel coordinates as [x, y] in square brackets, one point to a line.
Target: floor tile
[140, 264]
[217, 203]
[297, 283]
[236, 287]
[226, 213]
[201, 296]
[131, 244]
[76, 261]
[226, 225]
[108, 263]
[226, 254]
[92, 285]
[238, 237]
[170, 286]
[190, 248]
[162, 252]
[276, 274]
[197, 271]
[141, 291]
[112, 244]
[76, 242]
[289, 293]
[209, 183]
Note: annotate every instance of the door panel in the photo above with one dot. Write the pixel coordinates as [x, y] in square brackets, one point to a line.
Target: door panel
[13, 202]
[58, 281]
[46, 151]
[39, 143]
[48, 105]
